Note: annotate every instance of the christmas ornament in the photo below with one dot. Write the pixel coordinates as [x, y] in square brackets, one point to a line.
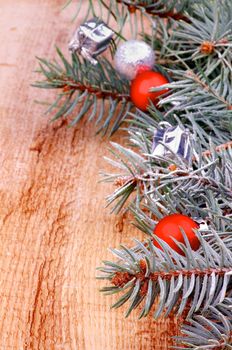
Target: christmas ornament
[170, 227]
[90, 39]
[142, 84]
[132, 57]
[169, 141]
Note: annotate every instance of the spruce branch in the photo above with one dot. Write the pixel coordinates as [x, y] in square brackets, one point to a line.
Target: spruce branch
[196, 94]
[170, 9]
[144, 175]
[195, 281]
[207, 39]
[136, 13]
[81, 84]
[201, 80]
[209, 330]
[194, 90]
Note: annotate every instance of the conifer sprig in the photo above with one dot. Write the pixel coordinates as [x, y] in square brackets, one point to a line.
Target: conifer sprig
[136, 13]
[139, 174]
[194, 281]
[84, 88]
[210, 330]
[206, 39]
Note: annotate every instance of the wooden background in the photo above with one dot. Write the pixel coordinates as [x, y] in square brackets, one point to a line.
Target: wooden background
[54, 228]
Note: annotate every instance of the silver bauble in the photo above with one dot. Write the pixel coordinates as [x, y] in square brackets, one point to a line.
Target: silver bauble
[132, 55]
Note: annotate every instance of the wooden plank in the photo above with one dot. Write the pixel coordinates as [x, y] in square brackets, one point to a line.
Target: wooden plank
[54, 230]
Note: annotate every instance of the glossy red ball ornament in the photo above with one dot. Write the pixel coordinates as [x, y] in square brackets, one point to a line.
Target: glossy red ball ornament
[169, 227]
[140, 88]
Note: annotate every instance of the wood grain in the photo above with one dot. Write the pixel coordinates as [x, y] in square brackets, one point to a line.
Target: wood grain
[54, 228]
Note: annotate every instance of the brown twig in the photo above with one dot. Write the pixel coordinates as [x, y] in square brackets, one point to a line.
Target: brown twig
[70, 86]
[121, 278]
[168, 14]
[219, 148]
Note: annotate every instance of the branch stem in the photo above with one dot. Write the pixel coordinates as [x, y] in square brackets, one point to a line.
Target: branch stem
[99, 93]
[121, 278]
[141, 5]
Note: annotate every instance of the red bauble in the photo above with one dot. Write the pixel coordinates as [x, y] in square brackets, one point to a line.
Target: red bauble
[140, 88]
[169, 227]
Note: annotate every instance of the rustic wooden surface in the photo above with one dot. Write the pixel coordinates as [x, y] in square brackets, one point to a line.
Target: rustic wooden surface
[54, 230]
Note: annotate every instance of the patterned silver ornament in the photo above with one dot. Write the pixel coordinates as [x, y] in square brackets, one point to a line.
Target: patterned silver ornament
[132, 55]
[173, 140]
[90, 39]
